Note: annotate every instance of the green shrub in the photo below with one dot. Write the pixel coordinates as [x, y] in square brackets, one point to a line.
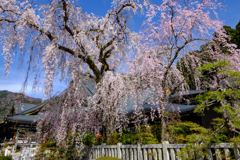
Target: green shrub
[50, 144]
[88, 138]
[221, 136]
[5, 144]
[128, 138]
[146, 138]
[235, 139]
[98, 139]
[5, 157]
[156, 130]
[145, 135]
[113, 139]
[57, 151]
[187, 132]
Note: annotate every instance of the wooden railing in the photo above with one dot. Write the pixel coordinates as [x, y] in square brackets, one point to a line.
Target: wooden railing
[164, 151]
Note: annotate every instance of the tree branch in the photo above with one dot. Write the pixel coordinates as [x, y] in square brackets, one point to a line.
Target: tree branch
[217, 130]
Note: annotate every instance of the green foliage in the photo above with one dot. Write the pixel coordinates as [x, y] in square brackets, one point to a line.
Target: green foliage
[125, 138]
[188, 64]
[222, 136]
[88, 138]
[5, 144]
[143, 134]
[3, 94]
[234, 34]
[113, 139]
[56, 151]
[193, 151]
[187, 132]
[108, 158]
[146, 138]
[224, 99]
[235, 140]
[215, 66]
[50, 144]
[129, 138]
[2, 157]
[98, 139]
[192, 134]
[156, 130]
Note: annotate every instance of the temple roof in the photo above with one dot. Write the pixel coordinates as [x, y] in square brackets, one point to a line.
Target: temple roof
[33, 109]
[23, 106]
[23, 118]
[24, 111]
[185, 93]
[171, 107]
[148, 97]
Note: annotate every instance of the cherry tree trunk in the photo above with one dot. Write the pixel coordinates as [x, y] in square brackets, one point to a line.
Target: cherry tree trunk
[163, 123]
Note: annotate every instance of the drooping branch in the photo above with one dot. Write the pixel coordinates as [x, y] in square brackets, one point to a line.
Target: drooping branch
[216, 131]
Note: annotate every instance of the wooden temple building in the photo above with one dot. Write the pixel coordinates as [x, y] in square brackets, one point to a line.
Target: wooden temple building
[23, 117]
[183, 103]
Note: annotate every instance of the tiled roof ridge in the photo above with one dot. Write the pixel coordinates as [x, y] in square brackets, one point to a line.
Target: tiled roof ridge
[24, 101]
[30, 109]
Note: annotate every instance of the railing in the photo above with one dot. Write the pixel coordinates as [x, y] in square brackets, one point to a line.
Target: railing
[27, 153]
[164, 151]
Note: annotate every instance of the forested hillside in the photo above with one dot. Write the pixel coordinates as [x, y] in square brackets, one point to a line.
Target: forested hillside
[7, 99]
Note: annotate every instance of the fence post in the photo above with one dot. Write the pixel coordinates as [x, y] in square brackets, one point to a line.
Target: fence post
[139, 151]
[6, 152]
[165, 150]
[236, 152]
[102, 150]
[15, 143]
[93, 153]
[119, 155]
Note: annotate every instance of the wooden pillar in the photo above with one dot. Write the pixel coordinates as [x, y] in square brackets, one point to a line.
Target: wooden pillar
[119, 154]
[139, 151]
[165, 150]
[102, 150]
[16, 142]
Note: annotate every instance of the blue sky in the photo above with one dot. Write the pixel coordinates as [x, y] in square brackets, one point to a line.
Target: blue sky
[16, 77]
